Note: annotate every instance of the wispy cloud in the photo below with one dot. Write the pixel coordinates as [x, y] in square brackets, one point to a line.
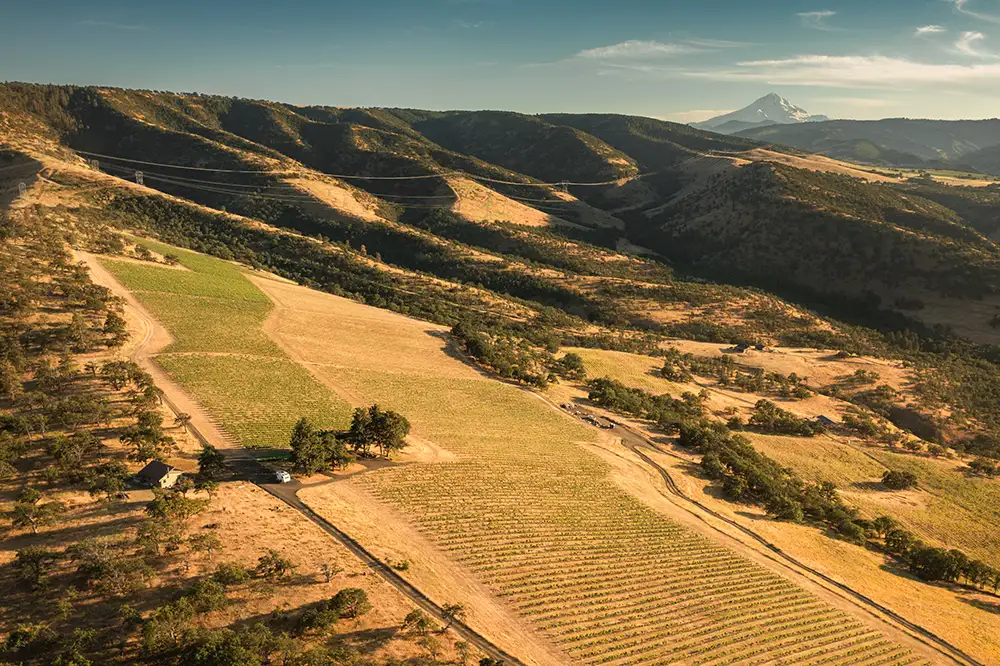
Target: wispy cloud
[854, 72]
[717, 43]
[963, 6]
[817, 20]
[968, 44]
[856, 102]
[470, 25]
[638, 49]
[925, 30]
[695, 115]
[93, 23]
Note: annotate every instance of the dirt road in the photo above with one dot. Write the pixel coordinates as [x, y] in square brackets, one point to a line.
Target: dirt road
[153, 338]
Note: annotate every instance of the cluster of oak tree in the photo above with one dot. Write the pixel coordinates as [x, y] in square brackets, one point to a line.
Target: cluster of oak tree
[315, 450]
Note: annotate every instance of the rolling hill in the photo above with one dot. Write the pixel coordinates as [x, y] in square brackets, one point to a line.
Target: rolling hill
[891, 142]
[712, 204]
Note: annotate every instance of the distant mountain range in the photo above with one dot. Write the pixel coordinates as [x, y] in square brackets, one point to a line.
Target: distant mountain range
[972, 145]
[901, 142]
[771, 109]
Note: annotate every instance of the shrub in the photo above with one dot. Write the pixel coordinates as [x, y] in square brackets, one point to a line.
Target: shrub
[350, 602]
[897, 480]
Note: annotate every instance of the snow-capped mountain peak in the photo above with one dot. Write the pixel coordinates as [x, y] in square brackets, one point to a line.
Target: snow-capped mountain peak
[769, 109]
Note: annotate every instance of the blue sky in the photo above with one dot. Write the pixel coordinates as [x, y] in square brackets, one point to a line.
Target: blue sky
[678, 60]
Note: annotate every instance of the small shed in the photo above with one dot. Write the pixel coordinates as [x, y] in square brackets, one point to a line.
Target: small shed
[159, 475]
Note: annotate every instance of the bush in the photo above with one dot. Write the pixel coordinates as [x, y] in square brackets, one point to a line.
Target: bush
[896, 480]
[350, 602]
[230, 573]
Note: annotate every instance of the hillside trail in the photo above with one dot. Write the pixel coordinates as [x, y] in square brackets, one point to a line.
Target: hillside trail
[149, 338]
[749, 543]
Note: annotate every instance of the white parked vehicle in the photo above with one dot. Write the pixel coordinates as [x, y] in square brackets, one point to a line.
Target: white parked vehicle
[281, 476]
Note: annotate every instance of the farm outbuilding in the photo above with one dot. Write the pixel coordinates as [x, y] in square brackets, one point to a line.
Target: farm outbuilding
[159, 475]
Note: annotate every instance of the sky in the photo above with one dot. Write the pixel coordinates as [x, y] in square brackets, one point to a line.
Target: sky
[672, 59]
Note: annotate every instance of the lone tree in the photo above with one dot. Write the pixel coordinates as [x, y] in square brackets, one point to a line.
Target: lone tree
[350, 602]
[308, 451]
[452, 613]
[384, 429]
[417, 623]
[30, 511]
[183, 420]
[897, 480]
[272, 566]
[33, 562]
[109, 479]
[211, 463]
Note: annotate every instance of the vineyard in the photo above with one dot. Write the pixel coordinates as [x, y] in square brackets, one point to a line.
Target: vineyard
[536, 518]
[221, 355]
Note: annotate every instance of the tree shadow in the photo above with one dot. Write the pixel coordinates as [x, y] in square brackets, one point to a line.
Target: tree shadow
[67, 535]
[873, 486]
[25, 169]
[339, 635]
[452, 350]
[988, 606]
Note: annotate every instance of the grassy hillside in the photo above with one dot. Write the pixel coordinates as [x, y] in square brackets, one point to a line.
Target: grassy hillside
[986, 160]
[529, 145]
[825, 232]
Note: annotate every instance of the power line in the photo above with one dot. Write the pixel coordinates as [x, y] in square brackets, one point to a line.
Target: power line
[285, 186]
[16, 166]
[275, 197]
[176, 180]
[195, 180]
[191, 168]
[173, 166]
[444, 174]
